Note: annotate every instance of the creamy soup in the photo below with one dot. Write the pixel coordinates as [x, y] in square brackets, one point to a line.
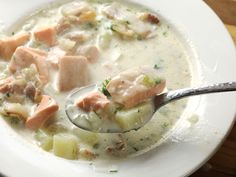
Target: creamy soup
[79, 43]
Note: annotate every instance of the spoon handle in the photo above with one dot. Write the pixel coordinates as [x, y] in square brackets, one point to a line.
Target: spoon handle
[182, 93]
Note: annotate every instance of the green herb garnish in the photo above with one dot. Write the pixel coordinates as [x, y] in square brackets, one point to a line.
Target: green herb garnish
[165, 33]
[89, 25]
[8, 94]
[113, 28]
[14, 120]
[156, 66]
[104, 87]
[113, 171]
[96, 146]
[165, 125]
[117, 109]
[140, 38]
[157, 81]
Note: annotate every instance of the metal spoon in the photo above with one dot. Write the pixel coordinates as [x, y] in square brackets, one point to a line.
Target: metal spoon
[159, 101]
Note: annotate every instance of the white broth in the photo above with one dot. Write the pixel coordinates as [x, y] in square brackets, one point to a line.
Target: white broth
[112, 36]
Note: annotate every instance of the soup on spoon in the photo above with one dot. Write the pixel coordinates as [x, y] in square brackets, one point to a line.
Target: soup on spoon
[120, 104]
[128, 101]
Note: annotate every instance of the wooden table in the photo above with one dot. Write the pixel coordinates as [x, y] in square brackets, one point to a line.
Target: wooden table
[223, 163]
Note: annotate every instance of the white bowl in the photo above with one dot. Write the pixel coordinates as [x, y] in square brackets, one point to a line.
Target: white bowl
[187, 148]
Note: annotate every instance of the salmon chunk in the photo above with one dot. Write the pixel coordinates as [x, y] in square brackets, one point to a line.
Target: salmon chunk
[24, 57]
[90, 52]
[134, 86]
[5, 84]
[54, 55]
[46, 108]
[46, 35]
[73, 72]
[9, 44]
[92, 101]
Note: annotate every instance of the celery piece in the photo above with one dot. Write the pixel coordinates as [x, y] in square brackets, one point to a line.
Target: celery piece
[86, 137]
[45, 140]
[151, 82]
[47, 143]
[65, 146]
[105, 40]
[56, 128]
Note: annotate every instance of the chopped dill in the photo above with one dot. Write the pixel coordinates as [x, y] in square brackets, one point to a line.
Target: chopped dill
[165, 125]
[104, 87]
[8, 94]
[113, 171]
[136, 149]
[165, 33]
[14, 120]
[156, 66]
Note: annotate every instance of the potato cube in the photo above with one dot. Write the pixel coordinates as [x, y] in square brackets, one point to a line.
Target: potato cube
[65, 146]
[134, 117]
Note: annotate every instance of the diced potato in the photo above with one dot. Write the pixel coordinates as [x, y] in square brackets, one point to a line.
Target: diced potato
[111, 109]
[104, 40]
[47, 143]
[65, 146]
[86, 137]
[66, 44]
[45, 140]
[134, 117]
[94, 120]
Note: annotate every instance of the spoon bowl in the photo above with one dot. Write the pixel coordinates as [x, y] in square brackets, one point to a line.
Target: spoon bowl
[80, 118]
